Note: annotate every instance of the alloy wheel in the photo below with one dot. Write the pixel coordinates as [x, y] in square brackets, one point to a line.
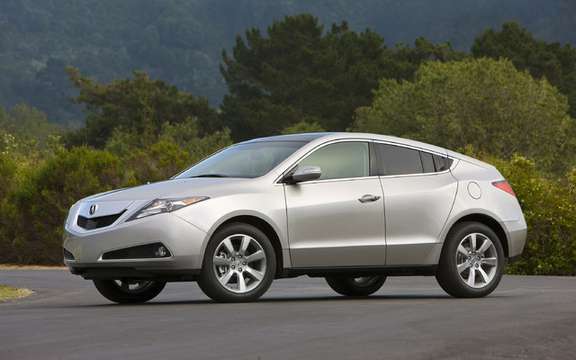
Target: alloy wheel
[476, 260]
[239, 263]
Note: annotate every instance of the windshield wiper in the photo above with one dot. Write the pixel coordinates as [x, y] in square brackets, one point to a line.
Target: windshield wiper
[210, 175]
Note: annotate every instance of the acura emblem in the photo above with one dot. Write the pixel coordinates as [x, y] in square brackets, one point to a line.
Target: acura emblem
[93, 208]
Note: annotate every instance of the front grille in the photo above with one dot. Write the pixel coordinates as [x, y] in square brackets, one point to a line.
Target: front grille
[97, 222]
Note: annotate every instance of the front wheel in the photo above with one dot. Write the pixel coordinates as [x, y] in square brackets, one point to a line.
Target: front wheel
[472, 261]
[129, 291]
[239, 264]
[355, 286]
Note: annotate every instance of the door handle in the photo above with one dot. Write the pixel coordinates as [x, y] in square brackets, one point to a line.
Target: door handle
[369, 198]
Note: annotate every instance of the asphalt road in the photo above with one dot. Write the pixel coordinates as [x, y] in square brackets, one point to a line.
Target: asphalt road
[410, 318]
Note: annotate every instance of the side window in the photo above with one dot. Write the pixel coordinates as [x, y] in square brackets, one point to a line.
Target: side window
[340, 160]
[427, 162]
[441, 163]
[397, 160]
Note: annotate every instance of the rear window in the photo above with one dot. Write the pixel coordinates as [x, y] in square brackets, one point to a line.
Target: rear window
[396, 160]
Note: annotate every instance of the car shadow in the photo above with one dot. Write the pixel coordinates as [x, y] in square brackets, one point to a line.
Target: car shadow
[407, 298]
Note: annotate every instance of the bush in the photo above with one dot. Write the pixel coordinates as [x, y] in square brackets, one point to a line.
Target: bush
[37, 209]
[549, 206]
[8, 169]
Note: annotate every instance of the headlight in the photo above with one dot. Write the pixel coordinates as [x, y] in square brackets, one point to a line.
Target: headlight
[160, 206]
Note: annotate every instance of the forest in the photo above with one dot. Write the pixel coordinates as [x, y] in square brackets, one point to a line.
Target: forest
[181, 41]
[509, 99]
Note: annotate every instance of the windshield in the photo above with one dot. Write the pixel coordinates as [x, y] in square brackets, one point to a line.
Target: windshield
[244, 160]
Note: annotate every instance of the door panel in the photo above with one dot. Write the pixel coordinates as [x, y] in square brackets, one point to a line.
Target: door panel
[329, 226]
[417, 207]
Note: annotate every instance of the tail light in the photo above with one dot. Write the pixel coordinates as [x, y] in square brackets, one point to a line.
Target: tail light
[504, 186]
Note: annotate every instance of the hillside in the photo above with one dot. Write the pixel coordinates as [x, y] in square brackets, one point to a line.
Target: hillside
[180, 41]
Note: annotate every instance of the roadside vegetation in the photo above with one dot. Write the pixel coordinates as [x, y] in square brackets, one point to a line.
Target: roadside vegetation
[509, 101]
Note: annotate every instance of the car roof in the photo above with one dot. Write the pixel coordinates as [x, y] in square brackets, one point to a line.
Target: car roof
[320, 137]
[303, 137]
[326, 136]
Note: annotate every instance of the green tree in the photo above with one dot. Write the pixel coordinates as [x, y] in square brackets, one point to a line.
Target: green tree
[554, 61]
[484, 103]
[299, 71]
[139, 106]
[403, 61]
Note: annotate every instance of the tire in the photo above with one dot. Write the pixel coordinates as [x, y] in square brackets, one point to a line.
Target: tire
[459, 260]
[233, 274]
[120, 291]
[355, 286]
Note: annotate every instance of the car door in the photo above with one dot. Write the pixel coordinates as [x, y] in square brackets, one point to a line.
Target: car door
[337, 220]
[419, 192]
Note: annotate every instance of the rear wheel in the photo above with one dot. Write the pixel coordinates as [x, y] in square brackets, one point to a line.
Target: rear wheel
[129, 291]
[472, 261]
[239, 264]
[355, 286]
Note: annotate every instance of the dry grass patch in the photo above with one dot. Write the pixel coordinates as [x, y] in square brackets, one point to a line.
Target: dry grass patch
[30, 267]
[11, 293]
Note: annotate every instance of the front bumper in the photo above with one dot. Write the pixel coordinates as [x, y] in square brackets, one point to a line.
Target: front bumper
[184, 241]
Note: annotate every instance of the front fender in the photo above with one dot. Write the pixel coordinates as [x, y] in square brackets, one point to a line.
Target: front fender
[270, 207]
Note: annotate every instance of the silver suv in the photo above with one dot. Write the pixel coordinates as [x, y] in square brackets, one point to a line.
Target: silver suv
[353, 208]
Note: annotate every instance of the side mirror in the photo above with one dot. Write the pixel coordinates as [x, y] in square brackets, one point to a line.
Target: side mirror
[305, 173]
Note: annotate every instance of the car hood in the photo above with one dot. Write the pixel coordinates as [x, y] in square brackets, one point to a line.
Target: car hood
[172, 189]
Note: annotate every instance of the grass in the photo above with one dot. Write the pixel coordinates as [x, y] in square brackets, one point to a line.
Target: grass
[11, 293]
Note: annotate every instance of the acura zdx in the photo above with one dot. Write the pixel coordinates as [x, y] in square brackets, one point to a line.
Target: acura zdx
[352, 208]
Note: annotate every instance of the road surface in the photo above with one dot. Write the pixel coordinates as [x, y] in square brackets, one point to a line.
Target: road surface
[409, 318]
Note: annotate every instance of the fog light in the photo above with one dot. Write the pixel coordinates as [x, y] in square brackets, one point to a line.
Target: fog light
[148, 251]
[161, 251]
